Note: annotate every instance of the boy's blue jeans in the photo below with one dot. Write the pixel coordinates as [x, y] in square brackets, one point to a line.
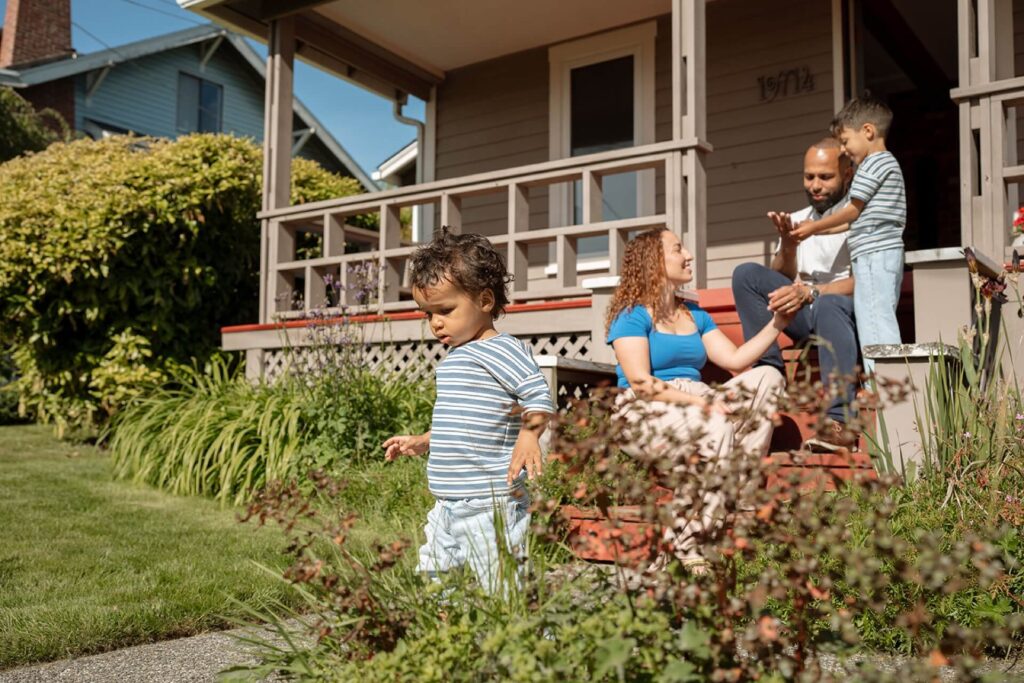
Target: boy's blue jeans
[464, 532]
[879, 277]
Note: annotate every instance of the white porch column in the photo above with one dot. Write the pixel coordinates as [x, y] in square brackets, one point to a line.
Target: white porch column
[277, 145]
[689, 122]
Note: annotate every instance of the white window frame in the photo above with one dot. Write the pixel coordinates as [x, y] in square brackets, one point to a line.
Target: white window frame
[636, 41]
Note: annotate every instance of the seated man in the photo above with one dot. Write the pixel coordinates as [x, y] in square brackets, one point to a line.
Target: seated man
[812, 278]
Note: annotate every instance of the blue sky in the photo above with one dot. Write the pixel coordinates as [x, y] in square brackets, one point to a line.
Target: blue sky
[360, 120]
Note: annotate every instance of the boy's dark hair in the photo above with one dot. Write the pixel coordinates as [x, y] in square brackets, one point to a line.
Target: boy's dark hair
[468, 261]
[861, 110]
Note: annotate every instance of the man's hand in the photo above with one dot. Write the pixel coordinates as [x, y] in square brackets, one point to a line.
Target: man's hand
[406, 444]
[783, 223]
[788, 299]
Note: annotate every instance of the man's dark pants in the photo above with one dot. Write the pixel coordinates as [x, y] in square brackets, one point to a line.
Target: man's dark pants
[830, 319]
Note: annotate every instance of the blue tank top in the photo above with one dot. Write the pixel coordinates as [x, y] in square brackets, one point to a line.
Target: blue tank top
[673, 356]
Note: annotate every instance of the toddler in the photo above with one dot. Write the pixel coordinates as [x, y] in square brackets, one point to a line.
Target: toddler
[481, 451]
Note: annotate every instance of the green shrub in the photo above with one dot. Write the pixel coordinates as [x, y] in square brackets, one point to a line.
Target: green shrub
[125, 256]
[22, 129]
[8, 392]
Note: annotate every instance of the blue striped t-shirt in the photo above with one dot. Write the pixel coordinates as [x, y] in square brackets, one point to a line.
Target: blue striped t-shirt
[879, 184]
[473, 430]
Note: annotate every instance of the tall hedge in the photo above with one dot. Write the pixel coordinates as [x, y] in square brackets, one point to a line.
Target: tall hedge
[23, 129]
[121, 256]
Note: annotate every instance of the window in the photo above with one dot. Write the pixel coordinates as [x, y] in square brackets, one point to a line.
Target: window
[199, 105]
[602, 98]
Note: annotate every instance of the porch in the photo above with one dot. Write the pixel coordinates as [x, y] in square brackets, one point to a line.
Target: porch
[546, 202]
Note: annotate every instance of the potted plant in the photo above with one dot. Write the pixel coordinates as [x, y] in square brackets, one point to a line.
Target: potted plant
[1017, 230]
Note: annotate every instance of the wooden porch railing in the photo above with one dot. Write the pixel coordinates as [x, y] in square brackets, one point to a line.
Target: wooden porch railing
[994, 172]
[357, 257]
[990, 97]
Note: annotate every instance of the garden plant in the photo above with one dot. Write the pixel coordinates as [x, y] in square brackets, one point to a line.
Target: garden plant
[876, 567]
[121, 258]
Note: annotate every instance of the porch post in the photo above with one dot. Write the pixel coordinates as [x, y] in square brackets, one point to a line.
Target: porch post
[689, 122]
[277, 146]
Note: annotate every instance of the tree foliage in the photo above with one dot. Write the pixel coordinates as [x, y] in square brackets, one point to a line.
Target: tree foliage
[22, 129]
[121, 256]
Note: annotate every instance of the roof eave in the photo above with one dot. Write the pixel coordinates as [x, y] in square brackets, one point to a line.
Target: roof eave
[331, 47]
[78, 64]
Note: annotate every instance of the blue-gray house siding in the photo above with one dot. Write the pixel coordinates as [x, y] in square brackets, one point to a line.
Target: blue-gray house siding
[141, 95]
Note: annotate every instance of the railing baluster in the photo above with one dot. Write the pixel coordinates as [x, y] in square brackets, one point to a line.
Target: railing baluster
[390, 237]
[616, 246]
[592, 197]
[313, 290]
[518, 222]
[451, 211]
[279, 293]
[565, 258]
[696, 215]
[334, 235]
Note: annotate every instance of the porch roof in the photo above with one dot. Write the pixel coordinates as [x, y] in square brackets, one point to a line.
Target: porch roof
[395, 45]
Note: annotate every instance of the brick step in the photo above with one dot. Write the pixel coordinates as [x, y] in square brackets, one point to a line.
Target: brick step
[596, 538]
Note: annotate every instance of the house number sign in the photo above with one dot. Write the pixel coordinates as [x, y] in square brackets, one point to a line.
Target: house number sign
[785, 83]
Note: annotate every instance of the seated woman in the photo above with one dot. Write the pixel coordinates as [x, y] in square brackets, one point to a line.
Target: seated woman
[661, 343]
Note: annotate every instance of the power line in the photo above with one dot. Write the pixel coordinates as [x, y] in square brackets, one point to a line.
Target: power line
[165, 13]
[133, 63]
[96, 38]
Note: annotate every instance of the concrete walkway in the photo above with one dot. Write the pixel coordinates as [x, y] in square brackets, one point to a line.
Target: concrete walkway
[196, 659]
[199, 659]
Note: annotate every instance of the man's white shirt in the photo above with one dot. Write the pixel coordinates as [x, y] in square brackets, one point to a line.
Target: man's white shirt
[821, 259]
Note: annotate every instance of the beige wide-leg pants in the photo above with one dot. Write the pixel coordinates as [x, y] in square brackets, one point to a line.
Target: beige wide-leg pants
[682, 430]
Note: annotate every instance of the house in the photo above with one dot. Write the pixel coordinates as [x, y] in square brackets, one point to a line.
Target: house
[400, 170]
[559, 129]
[204, 79]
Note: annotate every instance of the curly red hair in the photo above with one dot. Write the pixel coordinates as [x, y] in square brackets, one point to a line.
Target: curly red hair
[642, 282]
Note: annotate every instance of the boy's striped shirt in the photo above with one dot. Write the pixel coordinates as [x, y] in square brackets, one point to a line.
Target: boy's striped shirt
[473, 430]
[879, 184]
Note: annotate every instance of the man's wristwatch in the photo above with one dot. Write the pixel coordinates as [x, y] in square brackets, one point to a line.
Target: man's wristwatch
[813, 292]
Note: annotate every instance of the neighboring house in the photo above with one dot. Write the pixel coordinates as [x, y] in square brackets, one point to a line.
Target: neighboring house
[399, 170]
[202, 79]
[560, 129]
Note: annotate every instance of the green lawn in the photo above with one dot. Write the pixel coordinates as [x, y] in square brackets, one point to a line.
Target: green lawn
[89, 564]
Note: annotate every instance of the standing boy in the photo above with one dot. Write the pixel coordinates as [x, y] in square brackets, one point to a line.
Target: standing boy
[480, 450]
[875, 217]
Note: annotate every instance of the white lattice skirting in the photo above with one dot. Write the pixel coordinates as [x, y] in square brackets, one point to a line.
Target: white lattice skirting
[415, 360]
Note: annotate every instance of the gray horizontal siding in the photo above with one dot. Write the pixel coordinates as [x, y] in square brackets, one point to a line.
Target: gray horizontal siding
[759, 147]
[141, 96]
[491, 116]
[494, 115]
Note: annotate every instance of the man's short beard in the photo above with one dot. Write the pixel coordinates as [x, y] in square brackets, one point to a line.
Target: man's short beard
[830, 200]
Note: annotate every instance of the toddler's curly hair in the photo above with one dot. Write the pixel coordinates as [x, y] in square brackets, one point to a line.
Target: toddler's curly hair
[470, 262]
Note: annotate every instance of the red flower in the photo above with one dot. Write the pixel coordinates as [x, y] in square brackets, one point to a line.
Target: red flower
[1018, 221]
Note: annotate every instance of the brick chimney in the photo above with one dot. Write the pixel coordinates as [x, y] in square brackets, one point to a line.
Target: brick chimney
[35, 31]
